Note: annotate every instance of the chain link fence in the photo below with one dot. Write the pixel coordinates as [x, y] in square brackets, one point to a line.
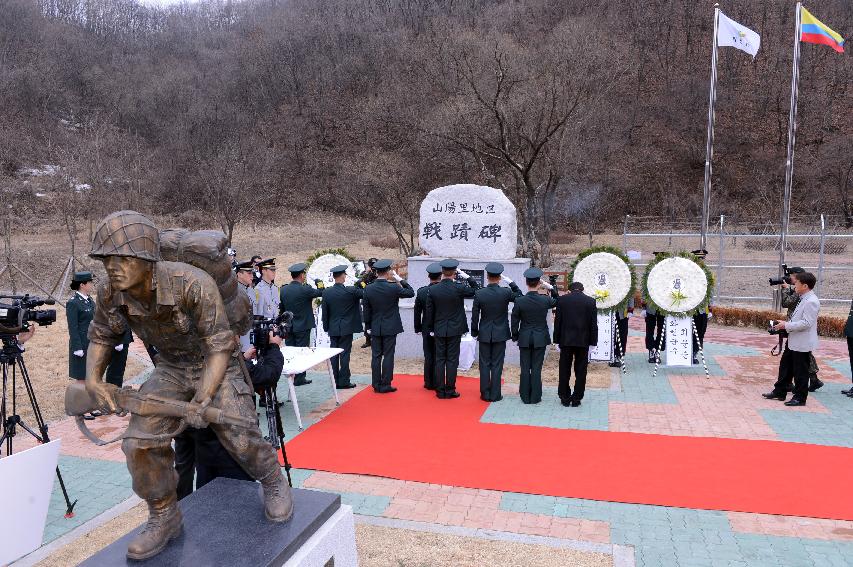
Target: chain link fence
[744, 254]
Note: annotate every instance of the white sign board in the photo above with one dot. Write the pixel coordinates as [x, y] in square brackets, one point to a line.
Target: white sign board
[26, 484]
[468, 221]
[604, 349]
[679, 341]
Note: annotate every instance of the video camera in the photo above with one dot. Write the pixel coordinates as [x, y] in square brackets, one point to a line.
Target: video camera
[552, 279]
[259, 336]
[787, 277]
[781, 332]
[16, 315]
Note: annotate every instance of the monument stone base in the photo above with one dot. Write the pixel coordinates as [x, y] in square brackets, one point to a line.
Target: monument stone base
[224, 524]
[410, 345]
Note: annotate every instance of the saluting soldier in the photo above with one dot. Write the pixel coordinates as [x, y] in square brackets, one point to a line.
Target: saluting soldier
[444, 319]
[365, 279]
[490, 326]
[434, 273]
[530, 331]
[382, 322]
[297, 297]
[267, 304]
[341, 319]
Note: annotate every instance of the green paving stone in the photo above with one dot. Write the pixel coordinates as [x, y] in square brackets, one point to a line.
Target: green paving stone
[842, 366]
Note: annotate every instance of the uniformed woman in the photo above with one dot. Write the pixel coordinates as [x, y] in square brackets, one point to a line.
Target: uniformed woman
[79, 310]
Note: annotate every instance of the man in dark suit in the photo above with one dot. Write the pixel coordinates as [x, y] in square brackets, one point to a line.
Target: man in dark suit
[341, 319]
[490, 326]
[382, 322]
[444, 318]
[530, 331]
[848, 332]
[575, 330]
[297, 297]
[434, 274]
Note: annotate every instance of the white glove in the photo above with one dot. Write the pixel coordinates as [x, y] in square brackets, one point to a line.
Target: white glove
[418, 333]
[396, 276]
[432, 333]
[79, 353]
[367, 331]
[119, 348]
[463, 274]
[505, 279]
[547, 286]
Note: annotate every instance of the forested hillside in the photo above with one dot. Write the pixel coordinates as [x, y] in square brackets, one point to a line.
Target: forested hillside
[582, 111]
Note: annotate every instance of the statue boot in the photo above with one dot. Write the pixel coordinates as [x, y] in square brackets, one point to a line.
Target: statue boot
[164, 524]
[278, 501]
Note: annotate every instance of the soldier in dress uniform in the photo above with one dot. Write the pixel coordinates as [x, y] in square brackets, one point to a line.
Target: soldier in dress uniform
[267, 304]
[256, 271]
[245, 276]
[530, 331]
[489, 324]
[622, 329]
[297, 297]
[434, 273]
[341, 319]
[79, 311]
[118, 361]
[382, 322]
[444, 319]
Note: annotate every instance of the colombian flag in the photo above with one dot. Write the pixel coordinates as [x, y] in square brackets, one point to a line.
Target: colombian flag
[813, 30]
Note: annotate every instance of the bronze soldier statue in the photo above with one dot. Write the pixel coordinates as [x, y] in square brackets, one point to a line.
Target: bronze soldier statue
[178, 309]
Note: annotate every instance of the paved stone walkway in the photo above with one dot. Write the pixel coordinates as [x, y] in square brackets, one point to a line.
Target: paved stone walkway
[676, 402]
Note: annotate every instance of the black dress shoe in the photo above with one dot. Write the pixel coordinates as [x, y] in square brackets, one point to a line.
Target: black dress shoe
[695, 360]
[774, 395]
[484, 398]
[575, 403]
[795, 402]
[88, 417]
[848, 391]
[499, 398]
[815, 385]
[387, 389]
[440, 395]
[567, 403]
[95, 413]
[302, 382]
[346, 386]
[615, 364]
[453, 394]
[850, 394]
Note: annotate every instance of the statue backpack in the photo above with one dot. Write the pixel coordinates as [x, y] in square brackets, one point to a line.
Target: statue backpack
[207, 250]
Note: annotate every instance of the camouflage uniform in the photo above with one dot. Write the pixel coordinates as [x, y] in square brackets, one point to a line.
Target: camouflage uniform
[188, 321]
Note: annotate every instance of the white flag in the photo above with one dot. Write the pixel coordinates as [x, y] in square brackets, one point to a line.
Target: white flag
[732, 34]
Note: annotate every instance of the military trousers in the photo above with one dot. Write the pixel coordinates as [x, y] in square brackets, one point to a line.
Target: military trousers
[701, 322]
[446, 363]
[530, 381]
[300, 339]
[654, 328]
[340, 362]
[569, 356]
[491, 368]
[115, 370]
[622, 329]
[382, 360]
[148, 444]
[429, 361]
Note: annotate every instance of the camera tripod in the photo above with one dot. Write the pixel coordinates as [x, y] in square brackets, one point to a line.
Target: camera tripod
[275, 426]
[12, 363]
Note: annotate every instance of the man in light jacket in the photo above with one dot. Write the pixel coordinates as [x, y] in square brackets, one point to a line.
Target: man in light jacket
[802, 340]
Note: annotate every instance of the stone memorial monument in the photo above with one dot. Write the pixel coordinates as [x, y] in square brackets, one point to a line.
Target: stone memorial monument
[474, 224]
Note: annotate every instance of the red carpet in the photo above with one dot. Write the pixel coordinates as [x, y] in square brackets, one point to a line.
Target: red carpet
[412, 435]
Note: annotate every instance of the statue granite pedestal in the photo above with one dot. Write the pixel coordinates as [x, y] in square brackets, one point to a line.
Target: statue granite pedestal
[224, 525]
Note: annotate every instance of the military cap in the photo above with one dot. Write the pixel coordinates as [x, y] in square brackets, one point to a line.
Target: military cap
[298, 268]
[339, 269]
[268, 264]
[494, 268]
[244, 266]
[533, 273]
[434, 268]
[382, 264]
[82, 277]
[449, 264]
[701, 253]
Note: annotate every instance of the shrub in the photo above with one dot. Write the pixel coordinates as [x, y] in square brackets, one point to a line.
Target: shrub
[827, 326]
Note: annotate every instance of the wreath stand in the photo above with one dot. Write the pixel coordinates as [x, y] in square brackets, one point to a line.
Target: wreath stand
[662, 343]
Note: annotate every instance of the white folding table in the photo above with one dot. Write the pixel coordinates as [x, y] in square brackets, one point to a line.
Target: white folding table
[301, 359]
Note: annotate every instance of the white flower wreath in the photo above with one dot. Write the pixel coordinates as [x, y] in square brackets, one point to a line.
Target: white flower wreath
[320, 267]
[677, 284]
[605, 277]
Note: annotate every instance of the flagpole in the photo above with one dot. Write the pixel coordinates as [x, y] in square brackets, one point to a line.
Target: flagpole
[789, 162]
[709, 145]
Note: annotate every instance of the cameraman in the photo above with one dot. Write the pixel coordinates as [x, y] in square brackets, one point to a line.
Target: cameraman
[802, 341]
[790, 299]
[212, 460]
